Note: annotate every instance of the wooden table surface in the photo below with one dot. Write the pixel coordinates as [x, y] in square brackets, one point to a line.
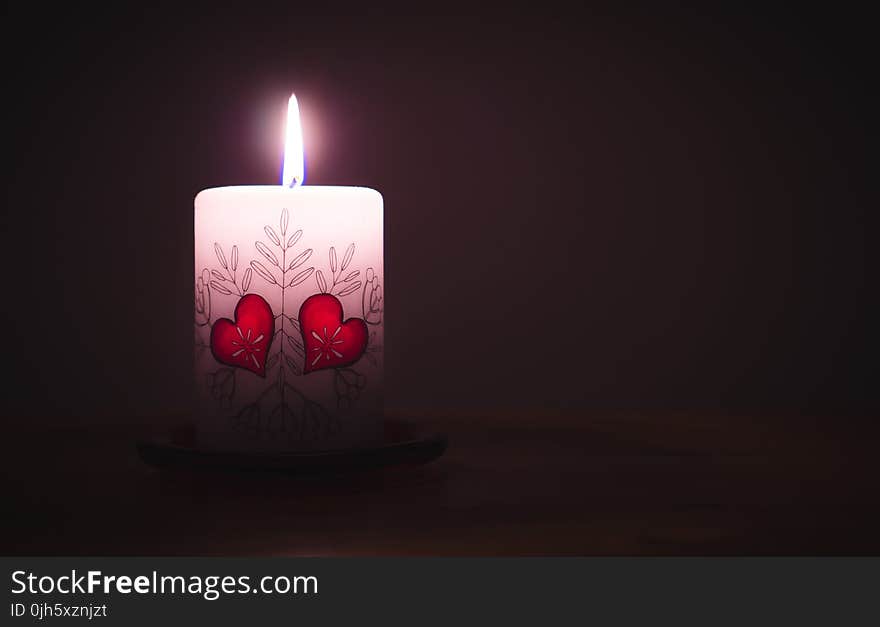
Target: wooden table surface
[527, 483]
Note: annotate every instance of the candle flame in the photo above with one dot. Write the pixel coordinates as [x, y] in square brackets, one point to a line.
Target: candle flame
[294, 171]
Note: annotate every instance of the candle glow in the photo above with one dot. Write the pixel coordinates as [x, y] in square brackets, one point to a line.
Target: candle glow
[294, 171]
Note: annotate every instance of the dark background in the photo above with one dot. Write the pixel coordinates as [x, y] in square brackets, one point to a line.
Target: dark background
[585, 208]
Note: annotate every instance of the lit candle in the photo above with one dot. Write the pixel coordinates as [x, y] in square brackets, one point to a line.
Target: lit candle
[288, 312]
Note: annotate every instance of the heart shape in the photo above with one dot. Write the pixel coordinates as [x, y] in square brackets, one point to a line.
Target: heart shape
[244, 343]
[330, 342]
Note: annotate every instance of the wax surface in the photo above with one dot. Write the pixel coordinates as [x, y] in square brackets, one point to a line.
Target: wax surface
[267, 257]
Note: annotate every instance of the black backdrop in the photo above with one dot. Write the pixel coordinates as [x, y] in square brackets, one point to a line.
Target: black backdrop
[583, 207]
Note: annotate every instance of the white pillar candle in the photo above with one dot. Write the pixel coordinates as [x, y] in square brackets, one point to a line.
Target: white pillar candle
[288, 313]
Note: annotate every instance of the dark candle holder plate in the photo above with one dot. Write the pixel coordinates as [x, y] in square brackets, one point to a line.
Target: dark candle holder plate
[404, 443]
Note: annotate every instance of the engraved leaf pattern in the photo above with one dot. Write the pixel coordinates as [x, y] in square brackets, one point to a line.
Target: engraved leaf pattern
[220, 256]
[263, 272]
[294, 238]
[351, 289]
[293, 365]
[300, 259]
[220, 288]
[349, 253]
[296, 345]
[268, 254]
[246, 281]
[300, 277]
[227, 276]
[321, 281]
[270, 233]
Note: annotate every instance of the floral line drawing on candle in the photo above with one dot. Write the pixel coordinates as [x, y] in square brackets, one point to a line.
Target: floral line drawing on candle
[218, 281]
[282, 418]
[221, 385]
[285, 244]
[348, 382]
[344, 290]
[312, 422]
[220, 382]
[203, 300]
[295, 416]
[372, 300]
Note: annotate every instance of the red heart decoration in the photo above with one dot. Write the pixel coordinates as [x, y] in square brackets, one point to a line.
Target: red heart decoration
[330, 342]
[245, 342]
